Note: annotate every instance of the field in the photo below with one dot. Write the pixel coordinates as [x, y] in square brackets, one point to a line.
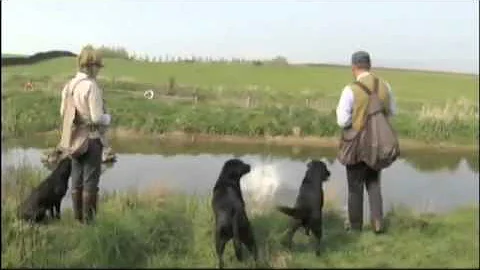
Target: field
[163, 229]
[241, 99]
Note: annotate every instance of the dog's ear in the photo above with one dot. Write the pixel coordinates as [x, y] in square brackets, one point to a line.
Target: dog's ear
[237, 171]
[234, 169]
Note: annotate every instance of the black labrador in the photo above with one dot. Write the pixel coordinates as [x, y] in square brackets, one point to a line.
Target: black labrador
[48, 195]
[307, 212]
[231, 220]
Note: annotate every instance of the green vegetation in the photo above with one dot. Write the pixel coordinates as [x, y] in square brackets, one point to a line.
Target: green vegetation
[241, 99]
[114, 52]
[161, 229]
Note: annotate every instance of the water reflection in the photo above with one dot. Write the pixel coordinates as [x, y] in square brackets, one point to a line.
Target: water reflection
[421, 160]
[439, 186]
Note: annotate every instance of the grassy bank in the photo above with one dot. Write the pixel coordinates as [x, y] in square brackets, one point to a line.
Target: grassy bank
[163, 229]
[286, 100]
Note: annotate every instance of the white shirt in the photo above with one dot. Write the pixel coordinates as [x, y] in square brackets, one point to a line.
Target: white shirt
[345, 104]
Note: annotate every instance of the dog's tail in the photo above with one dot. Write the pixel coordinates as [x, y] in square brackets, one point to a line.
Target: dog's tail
[293, 212]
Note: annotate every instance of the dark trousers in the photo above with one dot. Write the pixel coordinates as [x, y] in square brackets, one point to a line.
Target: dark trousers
[358, 176]
[86, 169]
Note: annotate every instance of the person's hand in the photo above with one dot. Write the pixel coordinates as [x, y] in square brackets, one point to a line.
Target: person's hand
[106, 119]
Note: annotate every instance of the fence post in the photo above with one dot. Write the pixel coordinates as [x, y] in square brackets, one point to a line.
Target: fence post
[171, 86]
[195, 95]
[250, 89]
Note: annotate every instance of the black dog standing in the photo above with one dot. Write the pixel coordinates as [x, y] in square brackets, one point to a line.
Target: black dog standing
[48, 195]
[231, 220]
[307, 212]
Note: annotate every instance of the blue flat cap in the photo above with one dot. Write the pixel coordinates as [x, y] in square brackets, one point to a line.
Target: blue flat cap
[360, 57]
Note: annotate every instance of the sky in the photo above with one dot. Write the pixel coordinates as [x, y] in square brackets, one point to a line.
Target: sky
[435, 35]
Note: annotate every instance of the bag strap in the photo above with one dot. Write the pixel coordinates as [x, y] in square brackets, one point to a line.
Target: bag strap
[72, 102]
[71, 88]
[365, 88]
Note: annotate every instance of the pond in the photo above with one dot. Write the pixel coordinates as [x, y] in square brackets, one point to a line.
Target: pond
[433, 181]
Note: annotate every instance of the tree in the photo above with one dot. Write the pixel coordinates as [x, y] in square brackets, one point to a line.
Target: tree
[280, 60]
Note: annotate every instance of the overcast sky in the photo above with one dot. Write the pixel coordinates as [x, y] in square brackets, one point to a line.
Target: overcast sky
[438, 35]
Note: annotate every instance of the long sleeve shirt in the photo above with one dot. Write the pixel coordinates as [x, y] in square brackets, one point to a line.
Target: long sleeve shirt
[87, 98]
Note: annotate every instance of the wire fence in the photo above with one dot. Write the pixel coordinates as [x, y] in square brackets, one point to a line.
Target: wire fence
[249, 96]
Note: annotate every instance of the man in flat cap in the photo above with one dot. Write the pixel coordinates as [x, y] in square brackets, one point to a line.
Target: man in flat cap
[351, 114]
[84, 120]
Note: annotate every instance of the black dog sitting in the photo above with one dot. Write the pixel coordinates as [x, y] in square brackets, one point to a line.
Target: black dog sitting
[307, 212]
[48, 195]
[231, 220]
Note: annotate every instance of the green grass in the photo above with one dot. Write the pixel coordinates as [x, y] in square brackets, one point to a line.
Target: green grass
[432, 106]
[327, 80]
[162, 229]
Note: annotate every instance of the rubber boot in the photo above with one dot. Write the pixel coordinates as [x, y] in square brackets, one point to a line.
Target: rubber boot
[89, 206]
[77, 204]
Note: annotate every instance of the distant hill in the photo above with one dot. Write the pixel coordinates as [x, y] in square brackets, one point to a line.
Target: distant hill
[13, 60]
[6, 55]
[18, 59]
[388, 68]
